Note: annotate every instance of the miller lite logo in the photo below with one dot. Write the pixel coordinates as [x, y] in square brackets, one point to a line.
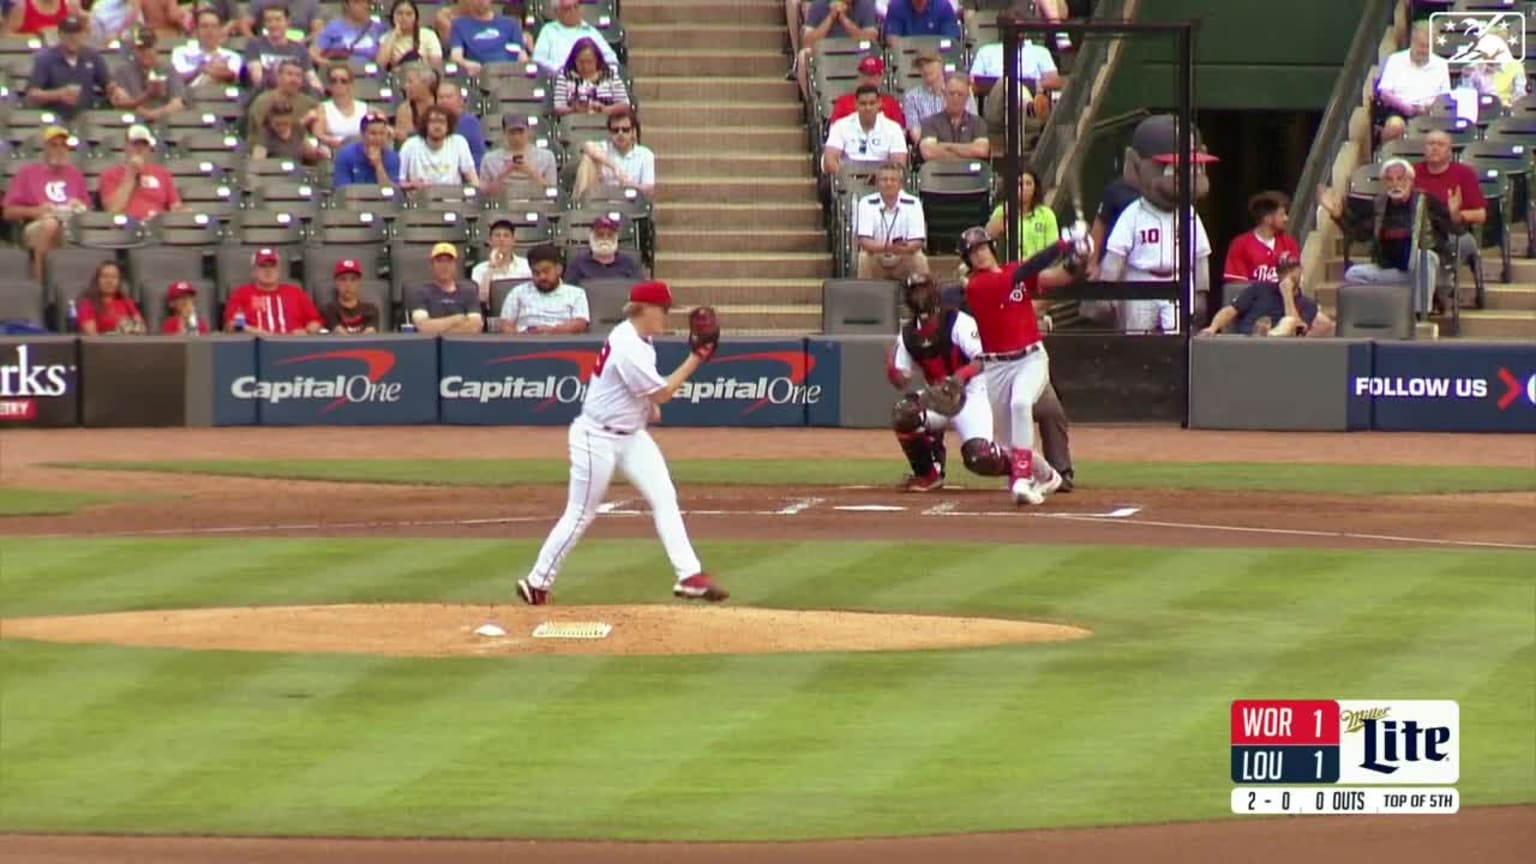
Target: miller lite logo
[1407, 741]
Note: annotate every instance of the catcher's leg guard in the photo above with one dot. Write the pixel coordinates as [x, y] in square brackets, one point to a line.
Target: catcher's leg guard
[985, 458]
[909, 423]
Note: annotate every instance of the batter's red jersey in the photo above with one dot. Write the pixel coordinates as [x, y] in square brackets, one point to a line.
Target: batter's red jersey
[1005, 315]
[1250, 259]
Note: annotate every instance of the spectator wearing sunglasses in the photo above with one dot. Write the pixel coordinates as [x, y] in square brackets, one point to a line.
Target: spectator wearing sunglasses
[618, 162]
[339, 119]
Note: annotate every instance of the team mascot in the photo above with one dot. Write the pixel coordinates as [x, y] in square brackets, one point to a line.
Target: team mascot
[1152, 169]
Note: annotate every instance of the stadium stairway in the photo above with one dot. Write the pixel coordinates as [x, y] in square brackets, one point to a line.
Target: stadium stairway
[738, 223]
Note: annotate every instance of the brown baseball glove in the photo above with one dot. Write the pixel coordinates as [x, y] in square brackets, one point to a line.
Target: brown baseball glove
[703, 332]
[946, 397]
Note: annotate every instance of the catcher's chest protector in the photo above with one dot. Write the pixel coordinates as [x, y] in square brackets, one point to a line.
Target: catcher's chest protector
[932, 347]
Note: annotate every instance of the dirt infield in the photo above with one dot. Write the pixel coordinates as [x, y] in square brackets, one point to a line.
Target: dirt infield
[1095, 515]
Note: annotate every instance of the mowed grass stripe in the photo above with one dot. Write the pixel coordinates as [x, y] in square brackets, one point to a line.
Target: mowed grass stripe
[44, 576]
[1491, 708]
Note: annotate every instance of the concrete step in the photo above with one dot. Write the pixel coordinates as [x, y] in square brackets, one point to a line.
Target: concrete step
[744, 239]
[746, 292]
[659, 115]
[805, 318]
[691, 14]
[706, 62]
[729, 264]
[763, 165]
[694, 216]
[660, 38]
[679, 140]
[765, 190]
[736, 87]
[1490, 324]
[1522, 270]
[1497, 297]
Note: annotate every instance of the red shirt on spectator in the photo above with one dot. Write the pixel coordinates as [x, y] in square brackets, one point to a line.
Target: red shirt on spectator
[1005, 318]
[1455, 176]
[845, 105]
[1250, 259]
[286, 309]
[156, 192]
[115, 310]
[172, 325]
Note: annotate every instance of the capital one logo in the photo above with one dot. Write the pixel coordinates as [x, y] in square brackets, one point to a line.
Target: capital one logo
[363, 387]
[786, 389]
[550, 389]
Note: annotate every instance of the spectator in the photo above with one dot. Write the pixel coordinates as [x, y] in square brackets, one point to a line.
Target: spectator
[926, 98]
[266, 53]
[517, 167]
[37, 17]
[279, 139]
[891, 229]
[1055, 11]
[348, 313]
[1117, 196]
[149, 87]
[1410, 83]
[436, 157]
[447, 304]
[921, 18]
[352, 35]
[1038, 75]
[418, 82]
[1254, 256]
[104, 307]
[479, 36]
[547, 305]
[871, 73]
[865, 137]
[603, 259]
[619, 161]
[339, 119]
[1498, 74]
[42, 195]
[112, 21]
[304, 18]
[1456, 186]
[558, 37]
[166, 18]
[956, 133]
[1397, 228]
[181, 304]
[289, 88]
[204, 59]
[588, 85]
[835, 19]
[137, 186]
[373, 159]
[407, 40]
[504, 262]
[268, 305]
[451, 98]
[1273, 307]
[1037, 223]
[69, 77]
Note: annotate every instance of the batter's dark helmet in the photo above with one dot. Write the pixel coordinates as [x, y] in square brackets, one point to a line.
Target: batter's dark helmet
[970, 239]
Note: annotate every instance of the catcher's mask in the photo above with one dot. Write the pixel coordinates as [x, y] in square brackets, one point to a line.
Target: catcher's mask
[973, 238]
[920, 293]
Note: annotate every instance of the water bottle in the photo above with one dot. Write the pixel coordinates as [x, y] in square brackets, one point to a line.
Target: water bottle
[190, 325]
[240, 321]
[407, 327]
[74, 318]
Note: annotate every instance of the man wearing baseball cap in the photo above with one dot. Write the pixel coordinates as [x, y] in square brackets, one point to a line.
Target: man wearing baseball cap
[150, 87]
[70, 77]
[518, 165]
[137, 186]
[268, 305]
[448, 303]
[42, 195]
[603, 259]
[1276, 308]
[348, 313]
[872, 72]
[181, 303]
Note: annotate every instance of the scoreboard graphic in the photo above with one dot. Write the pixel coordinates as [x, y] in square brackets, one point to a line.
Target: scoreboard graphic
[1411, 746]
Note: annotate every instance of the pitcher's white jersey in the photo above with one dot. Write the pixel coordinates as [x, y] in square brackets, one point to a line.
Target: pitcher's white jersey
[618, 395]
[1149, 240]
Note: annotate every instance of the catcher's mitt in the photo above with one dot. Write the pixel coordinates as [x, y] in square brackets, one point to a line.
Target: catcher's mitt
[703, 332]
[946, 397]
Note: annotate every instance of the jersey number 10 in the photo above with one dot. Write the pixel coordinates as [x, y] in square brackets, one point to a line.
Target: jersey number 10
[1151, 235]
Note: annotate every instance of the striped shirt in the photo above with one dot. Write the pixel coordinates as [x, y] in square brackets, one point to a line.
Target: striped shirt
[607, 90]
[530, 307]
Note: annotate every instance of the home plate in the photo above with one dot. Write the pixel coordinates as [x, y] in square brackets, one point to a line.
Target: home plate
[489, 630]
[572, 630]
[870, 508]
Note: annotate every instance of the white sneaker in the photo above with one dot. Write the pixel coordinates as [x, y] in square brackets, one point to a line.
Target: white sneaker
[1025, 492]
[1050, 485]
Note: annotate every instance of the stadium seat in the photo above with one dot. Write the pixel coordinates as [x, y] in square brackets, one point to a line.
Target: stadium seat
[1462, 132]
[464, 200]
[853, 306]
[384, 201]
[152, 300]
[98, 230]
[1514, 159]
[293, 195]
[217, 198]
[956, 195]
[337, 234]
[68, 269]
[605, 300]
[1375, 311]
[22, 299]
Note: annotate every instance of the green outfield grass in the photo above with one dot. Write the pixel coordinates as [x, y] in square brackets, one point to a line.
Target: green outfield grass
[1128, 726]
[1269, 477]
[46, 502]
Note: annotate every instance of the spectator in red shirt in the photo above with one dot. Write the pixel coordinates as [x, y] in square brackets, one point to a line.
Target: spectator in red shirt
[137, 186]
[872, 72]
[1456, 186]
[104, 308]
[42, 195]
[181, 301]
[268, 305]
[1255, 255]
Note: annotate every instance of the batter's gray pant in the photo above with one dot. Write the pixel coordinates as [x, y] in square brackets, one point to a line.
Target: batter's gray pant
[1052, 419]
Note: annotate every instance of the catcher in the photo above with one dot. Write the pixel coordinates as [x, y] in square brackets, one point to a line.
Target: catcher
[943, 344]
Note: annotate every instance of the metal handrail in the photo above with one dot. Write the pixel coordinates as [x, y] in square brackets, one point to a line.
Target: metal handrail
[1342, 102]
[1066, 129]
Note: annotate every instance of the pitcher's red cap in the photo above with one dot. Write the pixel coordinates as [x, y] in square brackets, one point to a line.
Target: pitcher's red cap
[347, 265]
[654, 292]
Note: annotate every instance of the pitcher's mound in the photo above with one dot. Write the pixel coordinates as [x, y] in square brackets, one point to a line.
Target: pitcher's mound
[437, 630]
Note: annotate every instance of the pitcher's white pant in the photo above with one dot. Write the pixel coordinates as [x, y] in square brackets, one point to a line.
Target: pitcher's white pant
[594, 456]
[1014, 386]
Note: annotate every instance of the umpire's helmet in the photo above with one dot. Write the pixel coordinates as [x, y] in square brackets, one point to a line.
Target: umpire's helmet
[970, 239]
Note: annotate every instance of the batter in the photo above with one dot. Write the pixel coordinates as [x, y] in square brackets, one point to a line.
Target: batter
[624, 394]
[1015, 365]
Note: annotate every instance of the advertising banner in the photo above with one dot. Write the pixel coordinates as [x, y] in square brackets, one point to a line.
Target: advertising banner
[135, 383]
[1449, 387]
[749, 382]
[499, 381]
[213, 365]
[39, 381]
[308, 381]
